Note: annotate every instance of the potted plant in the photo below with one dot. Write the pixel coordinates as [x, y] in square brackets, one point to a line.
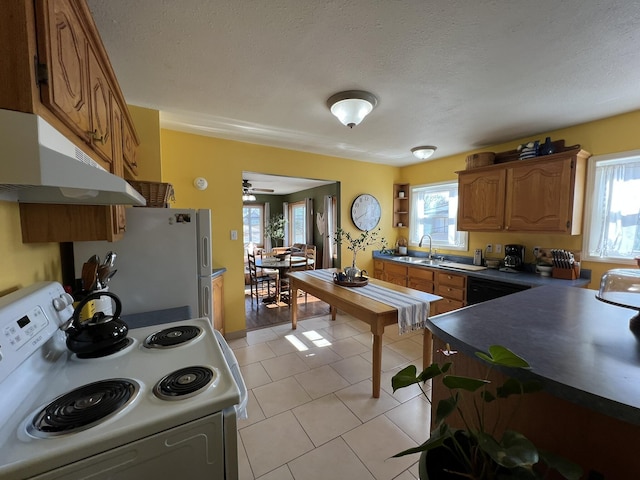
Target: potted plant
[275, 228]
[474, 452]
[356, 244]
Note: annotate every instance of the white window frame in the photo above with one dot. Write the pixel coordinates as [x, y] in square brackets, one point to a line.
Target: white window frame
[590, 210]
[260, 207]
[415, 233]
[292, 221]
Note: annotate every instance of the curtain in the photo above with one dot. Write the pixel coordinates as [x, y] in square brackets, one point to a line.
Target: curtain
[329, 226]
[285, 213]
[618, 211]
[267, 216]
[308, 227]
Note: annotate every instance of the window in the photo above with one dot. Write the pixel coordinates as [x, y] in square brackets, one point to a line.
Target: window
[297, 222]
[612, 220]
[434, 211]
[253, 225]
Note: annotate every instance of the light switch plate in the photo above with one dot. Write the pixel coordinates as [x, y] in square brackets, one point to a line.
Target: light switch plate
[234, 234]
[498, 248]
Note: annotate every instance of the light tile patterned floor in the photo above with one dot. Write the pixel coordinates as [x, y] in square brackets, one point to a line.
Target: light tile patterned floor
[311, 414]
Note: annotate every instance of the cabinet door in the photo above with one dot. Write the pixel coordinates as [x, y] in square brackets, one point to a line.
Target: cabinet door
[421, 279]
[62, 46]
[118, 212]
[540, 196]
[129, 149]
[481, 200]
[100, 96]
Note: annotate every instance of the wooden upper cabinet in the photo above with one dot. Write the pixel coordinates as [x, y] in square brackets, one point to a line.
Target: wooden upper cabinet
[62, 50]
[543, 195]
[481, 200]
[54, 64]
[101, 129]
[540, 196]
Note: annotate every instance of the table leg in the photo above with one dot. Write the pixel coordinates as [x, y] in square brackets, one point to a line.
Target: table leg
[334, 312]
[294, 306]
[377, 364]
[427, 348]
[278, 287]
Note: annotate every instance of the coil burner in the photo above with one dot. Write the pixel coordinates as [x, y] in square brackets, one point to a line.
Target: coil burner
[83, 407]
[184, 383]
[173, 337]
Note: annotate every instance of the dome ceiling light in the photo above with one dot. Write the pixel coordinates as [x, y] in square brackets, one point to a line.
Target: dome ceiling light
[423, 152]
[352, 106]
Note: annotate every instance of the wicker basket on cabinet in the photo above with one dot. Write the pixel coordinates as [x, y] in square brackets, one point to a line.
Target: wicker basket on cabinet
[156, 194]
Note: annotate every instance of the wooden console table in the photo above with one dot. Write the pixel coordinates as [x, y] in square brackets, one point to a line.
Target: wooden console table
[377, 314]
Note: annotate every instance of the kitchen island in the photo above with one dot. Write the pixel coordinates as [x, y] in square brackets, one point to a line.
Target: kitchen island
[586, 357]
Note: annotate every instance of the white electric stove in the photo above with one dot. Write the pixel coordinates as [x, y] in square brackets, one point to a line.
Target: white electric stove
[163, 406]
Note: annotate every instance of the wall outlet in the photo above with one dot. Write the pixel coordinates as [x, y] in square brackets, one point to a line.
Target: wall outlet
[536, 252]
[498, 248]
[234, 234]
[488, 248]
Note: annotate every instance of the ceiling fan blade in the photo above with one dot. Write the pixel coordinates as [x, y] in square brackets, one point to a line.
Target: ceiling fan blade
[267, 190]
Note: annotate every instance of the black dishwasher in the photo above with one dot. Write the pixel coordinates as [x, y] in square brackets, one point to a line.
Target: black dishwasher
[479, 290]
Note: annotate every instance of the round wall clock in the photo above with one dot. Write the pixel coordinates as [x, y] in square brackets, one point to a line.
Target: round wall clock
[365, 212]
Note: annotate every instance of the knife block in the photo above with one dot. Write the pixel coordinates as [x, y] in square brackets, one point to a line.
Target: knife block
[566, 273]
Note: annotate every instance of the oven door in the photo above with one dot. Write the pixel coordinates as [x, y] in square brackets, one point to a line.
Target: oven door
[194, 450]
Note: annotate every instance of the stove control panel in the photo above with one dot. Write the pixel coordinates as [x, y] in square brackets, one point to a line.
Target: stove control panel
[25, 329]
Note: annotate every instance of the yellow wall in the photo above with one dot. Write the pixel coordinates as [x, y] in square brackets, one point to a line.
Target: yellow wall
[23, 264]
[148, 154]
[221, 162]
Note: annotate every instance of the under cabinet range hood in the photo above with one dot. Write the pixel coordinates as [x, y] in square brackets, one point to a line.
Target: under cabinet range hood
[40, 165]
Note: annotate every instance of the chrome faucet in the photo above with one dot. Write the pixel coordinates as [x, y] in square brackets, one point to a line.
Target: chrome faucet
[420, 244]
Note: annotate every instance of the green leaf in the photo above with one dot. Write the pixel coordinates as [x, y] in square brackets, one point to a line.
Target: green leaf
[564, 467]
[502, 356]
[516, 387]
[407, 376]
[445, 408]
[514, 450]
[465, 383]
[404, 378]
[438, 436]
[487, 396]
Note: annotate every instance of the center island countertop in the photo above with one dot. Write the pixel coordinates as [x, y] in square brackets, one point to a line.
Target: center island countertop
[581, 348]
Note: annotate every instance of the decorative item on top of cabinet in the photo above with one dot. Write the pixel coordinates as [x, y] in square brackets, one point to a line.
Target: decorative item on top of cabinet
[401, 205]
[71, 84]
[543, 194]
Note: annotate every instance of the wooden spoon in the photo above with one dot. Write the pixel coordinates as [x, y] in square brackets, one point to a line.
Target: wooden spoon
[89, 276]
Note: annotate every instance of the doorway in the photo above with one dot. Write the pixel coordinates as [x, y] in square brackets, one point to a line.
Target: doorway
[302, 203]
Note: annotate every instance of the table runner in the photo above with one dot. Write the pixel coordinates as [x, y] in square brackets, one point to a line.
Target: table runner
[412, 313]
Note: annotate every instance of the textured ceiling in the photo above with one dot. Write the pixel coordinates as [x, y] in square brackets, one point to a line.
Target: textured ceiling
[456, 74]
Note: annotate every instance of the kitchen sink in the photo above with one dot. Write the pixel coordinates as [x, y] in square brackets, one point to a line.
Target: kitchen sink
[418, 260]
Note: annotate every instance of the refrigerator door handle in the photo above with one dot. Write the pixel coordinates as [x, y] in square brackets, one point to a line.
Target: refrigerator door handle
[206, 249]
[206, 302]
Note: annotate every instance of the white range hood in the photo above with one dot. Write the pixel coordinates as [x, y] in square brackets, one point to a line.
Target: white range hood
[40, 165]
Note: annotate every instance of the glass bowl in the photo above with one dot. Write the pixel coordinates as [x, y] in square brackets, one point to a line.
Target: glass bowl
[621, 287]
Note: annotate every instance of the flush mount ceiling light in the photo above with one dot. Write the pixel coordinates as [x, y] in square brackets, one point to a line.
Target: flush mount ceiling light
[424, 151]
[352, 106]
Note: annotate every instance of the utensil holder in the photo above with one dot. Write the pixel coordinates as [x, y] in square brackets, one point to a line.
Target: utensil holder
[566, 273]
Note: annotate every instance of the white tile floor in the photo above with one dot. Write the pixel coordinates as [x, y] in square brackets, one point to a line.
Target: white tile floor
[311, 413]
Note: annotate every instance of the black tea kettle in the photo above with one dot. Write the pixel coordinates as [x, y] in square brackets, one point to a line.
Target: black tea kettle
[97, 333]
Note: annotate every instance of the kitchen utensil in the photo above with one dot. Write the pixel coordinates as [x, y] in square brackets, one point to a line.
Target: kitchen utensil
[89, 276]
[97, 333]
[110, 259]
[111, 274]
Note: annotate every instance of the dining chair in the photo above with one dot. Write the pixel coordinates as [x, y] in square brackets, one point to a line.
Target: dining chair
[308, 254]
[258, 281]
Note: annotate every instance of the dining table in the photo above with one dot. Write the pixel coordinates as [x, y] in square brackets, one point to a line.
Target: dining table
[381, 305]
[281, 266]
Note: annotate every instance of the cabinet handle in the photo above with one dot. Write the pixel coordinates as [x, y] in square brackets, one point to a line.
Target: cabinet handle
[96, 138]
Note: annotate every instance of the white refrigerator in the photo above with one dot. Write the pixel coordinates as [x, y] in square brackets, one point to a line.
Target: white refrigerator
[163, 261]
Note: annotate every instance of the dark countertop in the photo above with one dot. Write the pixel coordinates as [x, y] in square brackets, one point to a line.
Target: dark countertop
[216, 272]
[581, 348]
[528, 279]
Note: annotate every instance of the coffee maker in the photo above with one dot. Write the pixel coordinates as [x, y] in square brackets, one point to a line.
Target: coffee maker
[514, 257]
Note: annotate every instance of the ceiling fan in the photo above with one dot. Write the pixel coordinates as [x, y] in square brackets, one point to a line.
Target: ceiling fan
[246, 188]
